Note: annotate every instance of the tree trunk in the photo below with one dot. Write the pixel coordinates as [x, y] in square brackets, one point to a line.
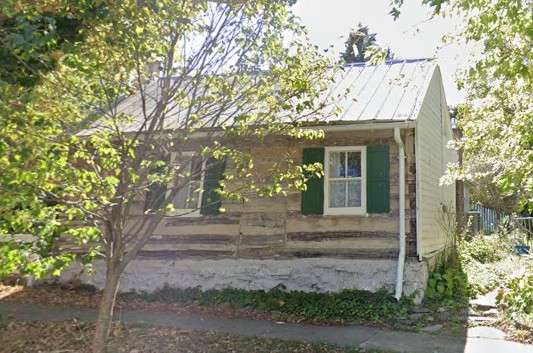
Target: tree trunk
[105, 311]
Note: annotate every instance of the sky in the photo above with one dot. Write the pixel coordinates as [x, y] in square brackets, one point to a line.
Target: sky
[413, 35]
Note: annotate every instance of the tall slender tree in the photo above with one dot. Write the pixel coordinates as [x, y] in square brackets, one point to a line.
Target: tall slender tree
[361, 46]
[206, 80]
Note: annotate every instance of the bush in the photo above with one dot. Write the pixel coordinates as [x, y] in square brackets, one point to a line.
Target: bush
[479, 265]
[486, 261]
[483, 248]
[483, 278]
[447, 284]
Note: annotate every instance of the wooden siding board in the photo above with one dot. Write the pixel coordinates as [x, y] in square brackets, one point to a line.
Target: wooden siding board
[326, 236]
[274, 228]
[337, 253]
[360, 243]
[431, 138]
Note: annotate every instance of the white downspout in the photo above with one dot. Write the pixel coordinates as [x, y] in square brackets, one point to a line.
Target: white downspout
[401, 255]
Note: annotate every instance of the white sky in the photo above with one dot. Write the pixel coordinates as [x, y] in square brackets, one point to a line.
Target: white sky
[413, 35]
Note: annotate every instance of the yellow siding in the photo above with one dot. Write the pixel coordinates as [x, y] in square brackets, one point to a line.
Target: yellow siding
[432, 135]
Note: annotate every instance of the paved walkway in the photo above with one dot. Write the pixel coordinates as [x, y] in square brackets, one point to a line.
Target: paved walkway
[477, 340]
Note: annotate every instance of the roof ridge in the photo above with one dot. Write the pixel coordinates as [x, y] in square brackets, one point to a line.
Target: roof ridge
[389, 62]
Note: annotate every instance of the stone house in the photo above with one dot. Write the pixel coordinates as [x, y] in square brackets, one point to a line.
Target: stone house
[374, 220]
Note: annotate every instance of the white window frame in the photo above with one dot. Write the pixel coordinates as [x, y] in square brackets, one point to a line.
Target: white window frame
[345, 210]
[186, 212]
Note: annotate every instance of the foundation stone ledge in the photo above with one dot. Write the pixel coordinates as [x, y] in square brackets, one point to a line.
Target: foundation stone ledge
[310, 275]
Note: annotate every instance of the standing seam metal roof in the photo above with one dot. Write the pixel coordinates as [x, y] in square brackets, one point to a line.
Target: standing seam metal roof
[391, 92]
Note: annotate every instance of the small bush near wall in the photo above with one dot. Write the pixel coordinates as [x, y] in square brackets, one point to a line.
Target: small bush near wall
[447, 284]
[349, 305]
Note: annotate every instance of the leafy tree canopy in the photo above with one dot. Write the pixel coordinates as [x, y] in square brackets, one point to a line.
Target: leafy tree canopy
[498, 125]
[85, 134]
[34, 35]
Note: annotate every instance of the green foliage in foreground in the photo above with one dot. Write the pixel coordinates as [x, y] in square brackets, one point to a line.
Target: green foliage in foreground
[517, 297]
[348, 305]
[481, 264]
[447, 285]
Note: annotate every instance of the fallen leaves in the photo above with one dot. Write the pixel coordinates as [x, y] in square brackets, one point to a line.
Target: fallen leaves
[73, 296]
[6, 291]
[23, 336]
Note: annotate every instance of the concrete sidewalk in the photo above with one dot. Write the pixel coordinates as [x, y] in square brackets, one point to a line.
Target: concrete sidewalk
[474, 340]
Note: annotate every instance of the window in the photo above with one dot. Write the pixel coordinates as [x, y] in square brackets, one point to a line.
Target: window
[356, 181]
[344, 175]
[199, 187]
[189, 196]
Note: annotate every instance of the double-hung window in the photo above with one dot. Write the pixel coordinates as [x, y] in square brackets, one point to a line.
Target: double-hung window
[356, 180]
[344, 173]
[198, 182]
[190, 176]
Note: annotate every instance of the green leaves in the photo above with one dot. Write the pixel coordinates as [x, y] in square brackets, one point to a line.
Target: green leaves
[518, 296]
[361, 46]
[132, 81]
[496, 120]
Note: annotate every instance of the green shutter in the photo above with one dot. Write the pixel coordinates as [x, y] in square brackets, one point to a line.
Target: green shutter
[214, 173]
[377, 179]
[313, 197]
[155, 196]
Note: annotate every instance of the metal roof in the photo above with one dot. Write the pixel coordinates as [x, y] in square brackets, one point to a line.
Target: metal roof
[391, 92]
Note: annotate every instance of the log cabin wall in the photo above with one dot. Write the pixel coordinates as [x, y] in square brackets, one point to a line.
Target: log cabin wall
[275, 229]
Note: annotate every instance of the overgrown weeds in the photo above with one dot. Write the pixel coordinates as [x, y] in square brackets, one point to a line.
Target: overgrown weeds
[516, 300]
[479, 264]
[487, 261]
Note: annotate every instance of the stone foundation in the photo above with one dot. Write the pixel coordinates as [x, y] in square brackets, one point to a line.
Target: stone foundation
[311, 275]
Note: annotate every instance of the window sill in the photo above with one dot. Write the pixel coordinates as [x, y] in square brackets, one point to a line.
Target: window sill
[345, 212]
[338, 216]
[184, 214]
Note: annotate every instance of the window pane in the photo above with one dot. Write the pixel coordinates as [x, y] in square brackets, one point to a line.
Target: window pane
[337, 164]
[187, 196]
[193, 190]
[354, 194]
[180, 200]
[337, 194]
[354, 164]
[196, 168]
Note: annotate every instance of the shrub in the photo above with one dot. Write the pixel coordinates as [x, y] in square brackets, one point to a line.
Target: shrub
[483, 248]
[486, 261]
[447, 284]
[482, 278]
